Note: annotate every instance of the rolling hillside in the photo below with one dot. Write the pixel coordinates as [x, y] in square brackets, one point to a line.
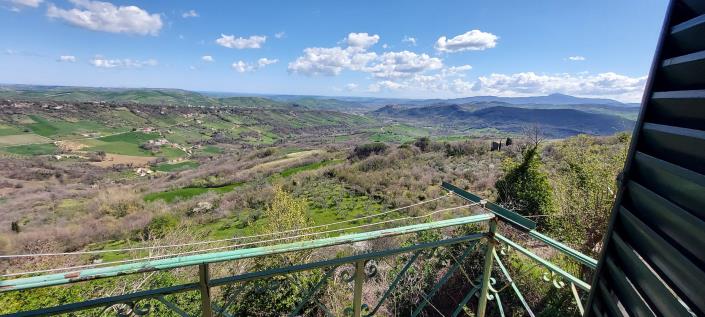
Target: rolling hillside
[555, 122]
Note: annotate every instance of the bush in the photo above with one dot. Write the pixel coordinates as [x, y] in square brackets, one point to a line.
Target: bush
[525, 186]
[365, 150]
[160, 226]
[423, 143]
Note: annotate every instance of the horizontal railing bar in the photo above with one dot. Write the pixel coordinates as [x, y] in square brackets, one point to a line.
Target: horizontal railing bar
[578, 282]
[107, 301]
[508, 216]
[177, 262]
[334, 262]
[102, 302]
[572, 253]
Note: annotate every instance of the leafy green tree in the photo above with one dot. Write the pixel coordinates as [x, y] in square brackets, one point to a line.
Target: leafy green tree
[585, 186]
[280, 294]
[524, 186]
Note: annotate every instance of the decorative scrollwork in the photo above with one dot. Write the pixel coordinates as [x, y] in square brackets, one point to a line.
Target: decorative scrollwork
[370, 268]
[128, 309]
[554, 278]
[504, 249]
[347, 274]
[493, 282]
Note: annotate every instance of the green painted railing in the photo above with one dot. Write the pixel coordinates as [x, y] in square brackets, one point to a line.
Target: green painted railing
[356, 271]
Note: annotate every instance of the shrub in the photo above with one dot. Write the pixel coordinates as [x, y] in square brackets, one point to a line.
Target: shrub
[160, 226]
[525, 186]
[365, 150]
[423, 143]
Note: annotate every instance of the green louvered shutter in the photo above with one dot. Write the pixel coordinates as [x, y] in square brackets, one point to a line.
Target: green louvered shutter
[653, 260]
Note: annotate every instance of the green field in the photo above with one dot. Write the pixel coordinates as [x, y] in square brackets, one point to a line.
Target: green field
[129, 144]
[188, 192]
[307, 167]
[397, 133]
[61, 128]
[32, 149]
[181, 166]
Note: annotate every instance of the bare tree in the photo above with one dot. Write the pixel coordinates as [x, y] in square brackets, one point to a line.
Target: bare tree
[534, 134]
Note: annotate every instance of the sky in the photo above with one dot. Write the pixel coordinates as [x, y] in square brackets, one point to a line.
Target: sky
[406, 49]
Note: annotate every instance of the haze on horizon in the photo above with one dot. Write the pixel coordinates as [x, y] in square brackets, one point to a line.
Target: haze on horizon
[393, 49]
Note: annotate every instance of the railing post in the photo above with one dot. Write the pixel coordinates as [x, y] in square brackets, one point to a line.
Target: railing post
[487, 270]
[359, 280]
[203, 281]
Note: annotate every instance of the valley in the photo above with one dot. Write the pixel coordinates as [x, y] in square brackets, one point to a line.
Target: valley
[81, 173]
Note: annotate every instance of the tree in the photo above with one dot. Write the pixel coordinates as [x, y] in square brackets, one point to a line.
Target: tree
[585, 183]
[524, 186]
[285, 212]
[423, 143]
[278, 295]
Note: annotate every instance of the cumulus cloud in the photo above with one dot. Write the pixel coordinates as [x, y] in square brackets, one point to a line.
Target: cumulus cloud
[402, 64]
[106, 17]
[576, 58]
[25, 3]
[332, 61]
[279, 35]
[207, 58]
[262, 62]
[243, 67]
[474, 40]
[362, 40]
[351, 86]
[229, 41]
[410, 40]
[609, 84]
[190, 14]
[101, 62]
[67, 58]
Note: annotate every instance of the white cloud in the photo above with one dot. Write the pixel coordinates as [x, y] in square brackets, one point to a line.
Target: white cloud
[610, 85]
[262, 62]
[25, 3]
[106, 17]
[351, 86]
[241, 67]
[229, 41]
[389, 65]
[456, 70]
[101, 62]
[279, 35]
[403, 64]
[384, 85]
[67, 58]
[207, 58]
[409, 39]
[330, 61]
[577, 58]
[362, 40]
[474, 40]
[190, 14]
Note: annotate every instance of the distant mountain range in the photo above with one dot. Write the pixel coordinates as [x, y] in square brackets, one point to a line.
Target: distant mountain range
[561, 115]
[554, 122]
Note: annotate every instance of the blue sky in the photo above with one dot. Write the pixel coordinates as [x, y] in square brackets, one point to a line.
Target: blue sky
[416, 49]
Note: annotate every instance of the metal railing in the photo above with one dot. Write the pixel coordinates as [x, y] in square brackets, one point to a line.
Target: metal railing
[351, 273]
